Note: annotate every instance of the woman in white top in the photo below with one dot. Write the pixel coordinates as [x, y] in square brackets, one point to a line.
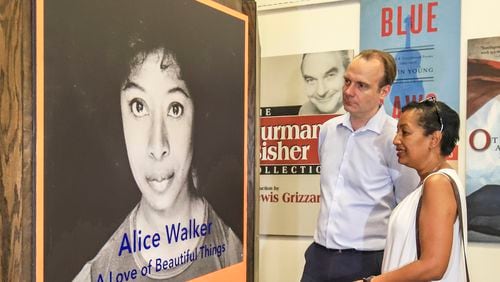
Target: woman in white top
[427, 134]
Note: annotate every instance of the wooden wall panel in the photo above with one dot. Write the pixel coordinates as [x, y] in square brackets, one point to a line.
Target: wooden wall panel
[250, 9]
[16, 141]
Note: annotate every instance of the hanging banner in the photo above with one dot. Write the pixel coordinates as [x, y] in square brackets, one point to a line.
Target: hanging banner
[298, 94]
[483, 142]
[424, 38]
[141, 165]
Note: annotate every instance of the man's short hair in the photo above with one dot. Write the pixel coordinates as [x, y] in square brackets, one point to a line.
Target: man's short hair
[386, 59]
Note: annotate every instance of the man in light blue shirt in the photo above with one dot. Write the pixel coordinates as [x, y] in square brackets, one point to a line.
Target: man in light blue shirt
[361, 179]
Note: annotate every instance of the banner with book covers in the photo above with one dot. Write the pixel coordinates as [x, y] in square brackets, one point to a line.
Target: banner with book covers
[132, 141]
[483, 139]
[298, 93]
[424, 38]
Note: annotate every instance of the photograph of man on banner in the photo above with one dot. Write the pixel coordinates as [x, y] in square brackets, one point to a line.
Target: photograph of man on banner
[323, 75]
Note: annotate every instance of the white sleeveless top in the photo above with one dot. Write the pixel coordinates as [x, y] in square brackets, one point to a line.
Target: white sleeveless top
[401, 246]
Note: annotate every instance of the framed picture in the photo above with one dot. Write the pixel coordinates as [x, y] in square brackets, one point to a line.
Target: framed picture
[482, 174]
[142, 141]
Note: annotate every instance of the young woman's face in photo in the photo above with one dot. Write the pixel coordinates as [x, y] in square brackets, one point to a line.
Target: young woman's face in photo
[157, 113]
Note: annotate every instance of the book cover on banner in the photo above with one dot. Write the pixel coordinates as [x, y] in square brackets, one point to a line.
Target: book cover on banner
[483, 139]
[299, 93]
[424, 38]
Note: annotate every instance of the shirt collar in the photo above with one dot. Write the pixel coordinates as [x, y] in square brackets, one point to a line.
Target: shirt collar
[375, 124]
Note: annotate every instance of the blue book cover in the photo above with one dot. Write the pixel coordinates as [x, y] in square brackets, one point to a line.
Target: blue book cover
[424, 38]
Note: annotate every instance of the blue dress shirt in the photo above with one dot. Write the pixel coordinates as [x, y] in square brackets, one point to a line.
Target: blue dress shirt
[361, 182]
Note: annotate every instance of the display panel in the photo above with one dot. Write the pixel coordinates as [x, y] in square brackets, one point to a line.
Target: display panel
[141, 165]
[483, 144]
[299, 93]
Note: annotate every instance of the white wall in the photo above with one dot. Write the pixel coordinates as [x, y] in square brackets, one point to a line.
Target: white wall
[335, 26]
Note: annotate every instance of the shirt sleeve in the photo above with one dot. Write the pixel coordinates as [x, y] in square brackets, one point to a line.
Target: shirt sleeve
[321, 139]
[235, 253]
[84, 275]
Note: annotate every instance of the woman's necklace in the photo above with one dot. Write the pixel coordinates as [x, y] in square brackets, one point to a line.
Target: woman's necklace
[438, 167]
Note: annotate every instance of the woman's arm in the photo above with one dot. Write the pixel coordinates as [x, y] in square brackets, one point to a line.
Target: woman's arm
[437, 216]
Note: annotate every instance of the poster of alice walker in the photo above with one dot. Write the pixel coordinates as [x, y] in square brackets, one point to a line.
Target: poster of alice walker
[298, 93]
[140, 178]
[483, 139]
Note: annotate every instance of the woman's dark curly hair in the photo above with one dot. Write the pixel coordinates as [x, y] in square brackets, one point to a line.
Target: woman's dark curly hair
[437, 116]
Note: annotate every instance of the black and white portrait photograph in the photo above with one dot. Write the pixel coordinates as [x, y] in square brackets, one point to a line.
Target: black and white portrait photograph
[323, 75]
[144, 148]
[305, 84]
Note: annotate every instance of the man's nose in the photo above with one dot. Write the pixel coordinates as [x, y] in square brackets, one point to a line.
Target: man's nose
[158, 140]
[347, 89]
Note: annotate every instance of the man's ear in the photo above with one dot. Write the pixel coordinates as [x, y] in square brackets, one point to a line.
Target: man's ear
[384, 91]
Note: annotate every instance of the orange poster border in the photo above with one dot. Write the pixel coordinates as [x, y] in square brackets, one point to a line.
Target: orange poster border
[39, 147]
